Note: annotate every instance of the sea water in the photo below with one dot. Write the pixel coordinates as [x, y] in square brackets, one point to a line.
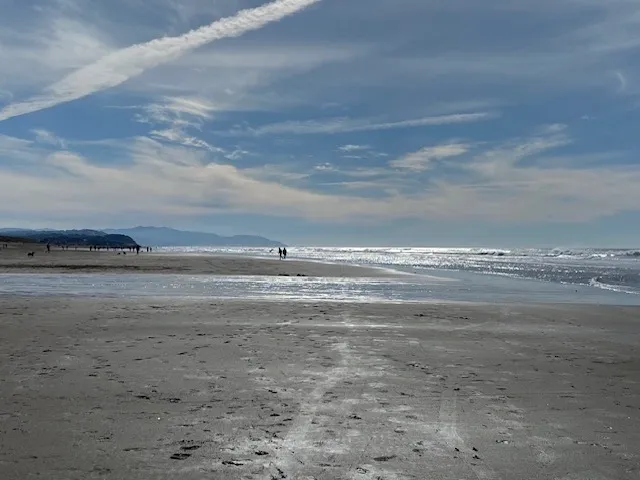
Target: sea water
[424, 274]
[615, 270]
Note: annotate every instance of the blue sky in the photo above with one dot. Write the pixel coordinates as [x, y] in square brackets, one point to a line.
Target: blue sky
[362, 122]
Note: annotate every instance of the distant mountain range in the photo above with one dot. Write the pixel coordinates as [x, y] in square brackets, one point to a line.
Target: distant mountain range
[71, 237]
[125, 237]
[169, 237]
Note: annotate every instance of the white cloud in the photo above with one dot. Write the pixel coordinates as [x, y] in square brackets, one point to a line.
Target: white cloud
[422, 159]
[280, 173]
[119, 66]
[360, 185]
[237, 154]
[177, 107]
[48, 138]
[175, 115]
[186, 181]
[177, 112]
[177, 180]
[342, 125]
[552, 128]
[14, 149]
[39, 54]
[622, 80]
[353, 148]
[245, 76]
[566, 45]
[8, 143]
[501, 161]
[177, 135]
[325, 167]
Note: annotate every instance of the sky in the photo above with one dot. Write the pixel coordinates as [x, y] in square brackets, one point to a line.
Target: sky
[325, 122]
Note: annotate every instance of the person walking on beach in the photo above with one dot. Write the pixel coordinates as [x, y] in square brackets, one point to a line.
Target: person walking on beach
[280, 252]
[284, 253]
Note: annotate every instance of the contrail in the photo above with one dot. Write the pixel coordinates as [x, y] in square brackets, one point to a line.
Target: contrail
[120, 66]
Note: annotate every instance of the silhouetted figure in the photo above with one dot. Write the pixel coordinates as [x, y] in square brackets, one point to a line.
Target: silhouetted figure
[48, 247]
[137, 249]
[280, 252]
[284, 252]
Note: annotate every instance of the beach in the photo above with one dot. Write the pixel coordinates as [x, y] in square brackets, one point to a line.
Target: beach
[146, 388]
[15, 260]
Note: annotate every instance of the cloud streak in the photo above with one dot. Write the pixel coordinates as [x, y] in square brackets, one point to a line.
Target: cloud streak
[424, 158]
[122, 65]
[344, 125]
[353, 148]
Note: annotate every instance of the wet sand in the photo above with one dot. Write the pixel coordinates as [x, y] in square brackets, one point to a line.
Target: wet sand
[238, 390]
[15, 260]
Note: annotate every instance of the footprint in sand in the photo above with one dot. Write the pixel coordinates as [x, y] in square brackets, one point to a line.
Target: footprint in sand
[384, 458]
[180, 456]
[188, 448]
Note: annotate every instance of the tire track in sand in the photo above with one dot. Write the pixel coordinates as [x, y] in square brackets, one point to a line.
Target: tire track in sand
[448, 431]
[295, 450]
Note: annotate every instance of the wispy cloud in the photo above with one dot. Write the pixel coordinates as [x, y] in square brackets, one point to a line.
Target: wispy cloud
[175, 116]
[501, 160]
[178, 135]
[5, 95]
[171, 109]
[343, 125]
[45, 49]
[48, 138]
[237, 154]
[353, 148]
[423, 158]
[493, 184]
[12, 149]
[622, 79]
[120, 66]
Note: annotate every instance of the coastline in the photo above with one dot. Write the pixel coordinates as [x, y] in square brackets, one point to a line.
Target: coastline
[15, 260]
[225, 275]
[123, 388]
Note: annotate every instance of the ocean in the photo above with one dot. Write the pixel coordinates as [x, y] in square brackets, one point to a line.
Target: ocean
[592, 276]
[616, 270]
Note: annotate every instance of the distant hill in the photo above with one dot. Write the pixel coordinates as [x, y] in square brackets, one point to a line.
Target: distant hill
[72, 237]
[165, 237]
[13, 239]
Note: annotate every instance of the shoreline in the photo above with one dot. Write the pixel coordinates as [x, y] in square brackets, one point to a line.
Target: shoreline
[386, 271]
[15, 260]
[198, 299]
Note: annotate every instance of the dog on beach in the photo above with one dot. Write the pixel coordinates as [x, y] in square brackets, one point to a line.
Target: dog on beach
[31, 254]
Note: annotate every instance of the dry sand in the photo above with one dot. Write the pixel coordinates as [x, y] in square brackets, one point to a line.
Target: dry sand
[15, 260]
[236, 390]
